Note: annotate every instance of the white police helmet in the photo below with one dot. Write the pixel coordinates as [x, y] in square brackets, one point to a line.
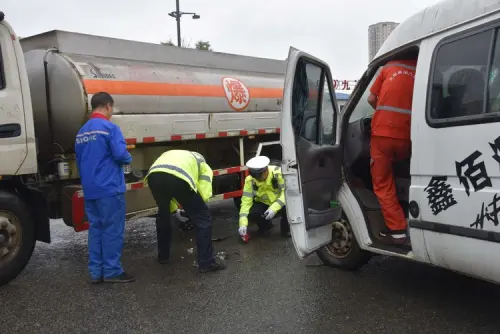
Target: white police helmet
[257, 165]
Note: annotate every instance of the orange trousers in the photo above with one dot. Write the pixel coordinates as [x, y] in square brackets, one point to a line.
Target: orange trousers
[384, 151]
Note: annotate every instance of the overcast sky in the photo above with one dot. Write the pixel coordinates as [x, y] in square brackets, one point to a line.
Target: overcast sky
[333, 30]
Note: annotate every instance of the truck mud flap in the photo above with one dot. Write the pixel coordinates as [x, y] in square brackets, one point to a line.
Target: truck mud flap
[73, 208]
[139, 202]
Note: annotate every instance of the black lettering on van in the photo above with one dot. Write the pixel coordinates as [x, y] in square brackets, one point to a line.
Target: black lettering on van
[476, 174]
[495, 210]
[491, 215]
[495, 146]
[479, 222]
[439, 194]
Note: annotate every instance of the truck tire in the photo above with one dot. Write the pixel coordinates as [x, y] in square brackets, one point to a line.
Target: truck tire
[343, 252]
[17, 236]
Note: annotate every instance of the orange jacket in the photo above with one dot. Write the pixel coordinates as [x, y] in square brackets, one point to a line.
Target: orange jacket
[394, 89]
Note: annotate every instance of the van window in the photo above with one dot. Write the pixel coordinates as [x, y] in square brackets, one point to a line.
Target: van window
[363, 109]
[494, 80]
[327, 115]
[2, 74]
[307, 103]
[463, 78]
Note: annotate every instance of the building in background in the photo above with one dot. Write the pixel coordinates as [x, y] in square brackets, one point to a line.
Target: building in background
[377, 34]
[342, 99]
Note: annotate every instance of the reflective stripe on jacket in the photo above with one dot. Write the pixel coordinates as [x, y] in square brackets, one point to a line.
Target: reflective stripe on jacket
[394, 90]
[101, 152]
[264, 192]
[188, 166]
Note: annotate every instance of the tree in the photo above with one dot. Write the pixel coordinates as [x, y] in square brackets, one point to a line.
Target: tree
[184, 44]
[200, 45]
[169, 43]
[203, 45]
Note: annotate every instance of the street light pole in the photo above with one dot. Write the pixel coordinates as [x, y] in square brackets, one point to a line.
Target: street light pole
[178, 18]
[177, 15]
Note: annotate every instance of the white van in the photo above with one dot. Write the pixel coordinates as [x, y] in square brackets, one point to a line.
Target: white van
[450, 189]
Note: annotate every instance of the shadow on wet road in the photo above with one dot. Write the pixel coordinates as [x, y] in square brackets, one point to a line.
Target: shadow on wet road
[265, 289]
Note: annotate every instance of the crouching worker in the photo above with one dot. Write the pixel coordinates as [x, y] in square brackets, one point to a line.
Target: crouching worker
[183, 177]
[263, 197]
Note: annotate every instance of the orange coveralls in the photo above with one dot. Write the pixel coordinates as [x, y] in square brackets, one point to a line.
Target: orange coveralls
[390, 140]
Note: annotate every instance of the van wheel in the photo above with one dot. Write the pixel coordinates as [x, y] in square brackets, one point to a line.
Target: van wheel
[17, 236]
[343, 252]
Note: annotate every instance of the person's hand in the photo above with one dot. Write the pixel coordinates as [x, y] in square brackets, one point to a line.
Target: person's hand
[242, 230]
[269, 214]
[180, 215]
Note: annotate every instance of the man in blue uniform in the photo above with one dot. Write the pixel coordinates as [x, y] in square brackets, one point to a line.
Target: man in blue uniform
[101, 152]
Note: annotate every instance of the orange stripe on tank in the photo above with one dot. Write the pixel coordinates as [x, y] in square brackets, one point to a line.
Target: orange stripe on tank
[115, 87]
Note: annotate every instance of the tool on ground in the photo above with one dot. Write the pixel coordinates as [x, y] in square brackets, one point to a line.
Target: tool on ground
[245, 237]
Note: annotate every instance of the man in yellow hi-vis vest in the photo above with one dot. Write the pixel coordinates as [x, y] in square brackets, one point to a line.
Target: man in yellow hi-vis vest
[183, 177]
[263, 197]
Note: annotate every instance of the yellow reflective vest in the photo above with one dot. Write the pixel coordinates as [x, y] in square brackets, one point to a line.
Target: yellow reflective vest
[270, 192]
[189, 166]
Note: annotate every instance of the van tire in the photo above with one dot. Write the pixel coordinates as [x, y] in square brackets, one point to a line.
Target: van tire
[13, 208]
[355, 257]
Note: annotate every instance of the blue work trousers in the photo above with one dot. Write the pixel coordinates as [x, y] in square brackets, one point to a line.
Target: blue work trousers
[107, 223]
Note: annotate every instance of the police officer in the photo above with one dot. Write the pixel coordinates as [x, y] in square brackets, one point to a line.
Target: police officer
[263, 197]
[183, 177]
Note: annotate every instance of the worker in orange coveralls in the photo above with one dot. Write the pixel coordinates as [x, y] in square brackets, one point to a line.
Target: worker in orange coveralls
[391, 97]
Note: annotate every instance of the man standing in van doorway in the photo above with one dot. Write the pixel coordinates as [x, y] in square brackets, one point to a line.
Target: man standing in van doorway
[391, 97]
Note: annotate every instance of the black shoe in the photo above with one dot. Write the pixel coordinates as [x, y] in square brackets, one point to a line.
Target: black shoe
[216, 266]
[95, 280]
[394, 237]
[122, 278]
[384, 232]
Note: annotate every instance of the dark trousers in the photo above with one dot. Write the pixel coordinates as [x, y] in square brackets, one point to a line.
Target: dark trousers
[255, 215]
[164, 187]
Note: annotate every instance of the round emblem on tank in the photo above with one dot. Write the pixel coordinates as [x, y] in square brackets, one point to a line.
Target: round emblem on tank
[237, 93]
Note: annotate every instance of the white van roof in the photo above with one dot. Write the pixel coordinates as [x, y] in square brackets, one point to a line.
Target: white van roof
[433, 19]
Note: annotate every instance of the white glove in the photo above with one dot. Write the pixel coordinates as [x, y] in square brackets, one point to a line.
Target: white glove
[179, 214]
[269, 214]
[242, 230]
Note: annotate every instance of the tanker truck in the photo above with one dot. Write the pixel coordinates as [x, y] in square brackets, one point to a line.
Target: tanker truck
[224, 106]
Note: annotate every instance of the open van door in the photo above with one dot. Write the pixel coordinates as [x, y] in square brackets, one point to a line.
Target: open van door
[311, 151]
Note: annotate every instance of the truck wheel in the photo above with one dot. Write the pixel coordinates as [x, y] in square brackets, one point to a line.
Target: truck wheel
[17, 236]
[343, 252]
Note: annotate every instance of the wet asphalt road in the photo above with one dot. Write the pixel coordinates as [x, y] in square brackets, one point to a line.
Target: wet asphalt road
[265, 289]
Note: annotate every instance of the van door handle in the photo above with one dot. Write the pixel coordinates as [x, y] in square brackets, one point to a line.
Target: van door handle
[10, 130]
